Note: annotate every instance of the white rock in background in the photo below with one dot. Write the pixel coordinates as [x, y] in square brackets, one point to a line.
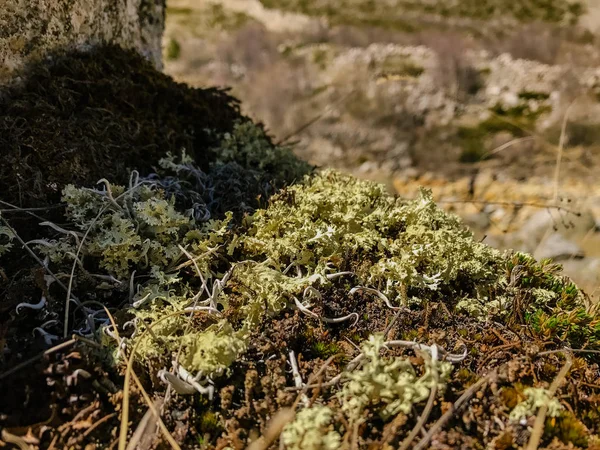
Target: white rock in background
[557, 247]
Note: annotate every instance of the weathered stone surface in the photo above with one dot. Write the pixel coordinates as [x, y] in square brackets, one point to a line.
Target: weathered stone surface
[558, 248]
[32, 29]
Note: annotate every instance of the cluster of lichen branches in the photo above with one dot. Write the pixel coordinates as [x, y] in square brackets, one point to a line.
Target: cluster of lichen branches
[155, 247]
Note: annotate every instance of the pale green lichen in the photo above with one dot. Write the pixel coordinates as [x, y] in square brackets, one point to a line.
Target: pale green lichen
[534, 399]
[412, 251]
[214, 350]
[6, 238]
[312, 430]
[249, 146]
[265, 291]
[388, 385]
[141, 229]
[401, 244]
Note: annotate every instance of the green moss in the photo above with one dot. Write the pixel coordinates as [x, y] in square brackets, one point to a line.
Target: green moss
[402, 66]
[568, 429]
[516, 120]
[172, 49]
[325, 349]
[532, 95]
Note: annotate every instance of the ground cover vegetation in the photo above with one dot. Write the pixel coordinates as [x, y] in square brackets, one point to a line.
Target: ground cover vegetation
[248, 299]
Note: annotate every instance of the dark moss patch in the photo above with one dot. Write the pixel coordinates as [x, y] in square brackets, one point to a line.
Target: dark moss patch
[516, 120]
[89, 115]
[533, 95]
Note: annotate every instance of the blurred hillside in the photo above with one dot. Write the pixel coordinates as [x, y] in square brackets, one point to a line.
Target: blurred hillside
[467, 97]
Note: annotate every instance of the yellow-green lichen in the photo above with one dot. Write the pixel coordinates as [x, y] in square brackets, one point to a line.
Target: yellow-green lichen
[6, 238]
[312, 430]
[400, 244]
[534, 399]
[388, 385]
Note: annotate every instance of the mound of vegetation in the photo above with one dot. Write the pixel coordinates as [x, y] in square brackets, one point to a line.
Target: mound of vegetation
[214, 303]
[84, 116]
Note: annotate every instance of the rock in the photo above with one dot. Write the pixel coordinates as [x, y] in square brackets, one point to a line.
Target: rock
[557, 247]
[478, 222]
[568, 225]
[585, 272]
[33, 29]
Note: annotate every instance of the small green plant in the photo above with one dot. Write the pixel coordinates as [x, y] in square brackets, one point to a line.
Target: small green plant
[172, 49]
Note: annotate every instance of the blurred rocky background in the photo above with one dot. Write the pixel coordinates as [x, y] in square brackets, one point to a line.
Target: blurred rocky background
[493, 104]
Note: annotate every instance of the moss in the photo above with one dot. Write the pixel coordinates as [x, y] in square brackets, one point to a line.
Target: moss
[568, 429]
[114, 111]
[325, 349]
[172, 50]
[309, 246]
[515, 120]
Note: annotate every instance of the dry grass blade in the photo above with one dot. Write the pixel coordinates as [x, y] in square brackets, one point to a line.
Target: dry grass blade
[428, 407]
[274, 429]
[466, 396]
[145, 429]
[508, 144]
[560, 150]
[540, 420]
[125, 404]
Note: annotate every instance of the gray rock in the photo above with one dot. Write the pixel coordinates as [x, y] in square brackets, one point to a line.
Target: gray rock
[477, 221]
[585, 272]
[35, 29]
[557, 247]
[567, 224]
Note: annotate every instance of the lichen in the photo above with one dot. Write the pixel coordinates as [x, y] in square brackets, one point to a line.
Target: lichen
[6, 238]
[388, 385]
[213, 350]
[312, 430]
[534, 399]
[401, 244]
